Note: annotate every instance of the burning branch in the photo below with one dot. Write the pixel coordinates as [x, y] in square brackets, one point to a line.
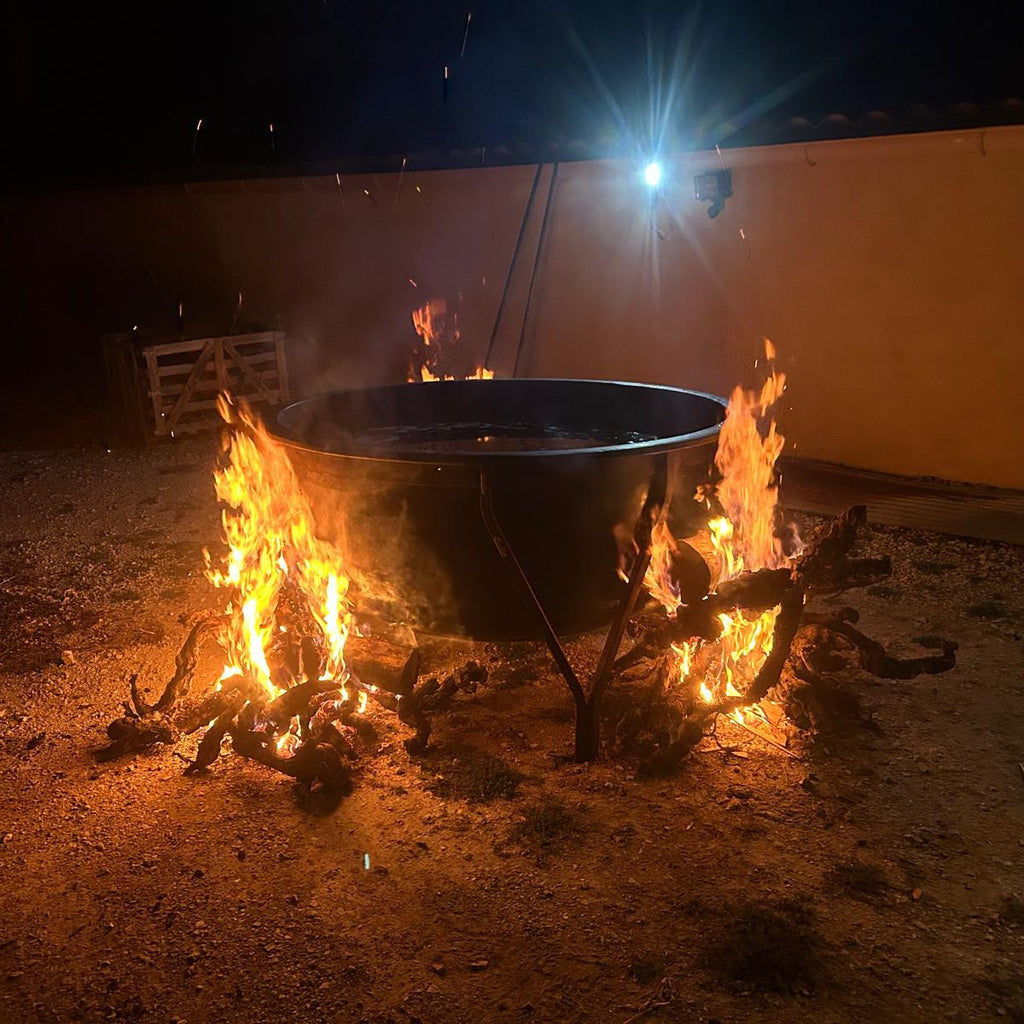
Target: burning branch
[804, 645]
[749, 640]
[286, 698]
[185, 665]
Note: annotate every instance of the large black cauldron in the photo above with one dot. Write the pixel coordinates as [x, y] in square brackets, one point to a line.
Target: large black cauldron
[393, 474]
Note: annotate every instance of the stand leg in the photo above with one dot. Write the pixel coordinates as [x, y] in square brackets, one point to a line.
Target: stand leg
[527, 592]
[588, 733]
[588, 723]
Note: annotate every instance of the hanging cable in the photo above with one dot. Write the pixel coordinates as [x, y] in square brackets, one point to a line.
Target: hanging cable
[512, 264]
[536, 264]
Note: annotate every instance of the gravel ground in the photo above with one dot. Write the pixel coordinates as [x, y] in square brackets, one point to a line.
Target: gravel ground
[880, 874]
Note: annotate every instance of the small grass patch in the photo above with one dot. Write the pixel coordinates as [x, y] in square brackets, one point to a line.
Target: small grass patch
[773, 947]
[987, 610]
[1011, 911]
[466, 773]
[854, 877]
[544, 825]
[646, 970]
[932, 568]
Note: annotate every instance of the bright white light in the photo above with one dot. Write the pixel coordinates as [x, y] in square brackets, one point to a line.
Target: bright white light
[652, 174]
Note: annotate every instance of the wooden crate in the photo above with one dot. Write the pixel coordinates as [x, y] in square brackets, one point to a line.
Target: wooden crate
[184, 377]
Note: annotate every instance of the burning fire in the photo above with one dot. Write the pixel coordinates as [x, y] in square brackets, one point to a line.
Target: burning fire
[480, 373]
[440, 333]
[271, 538]
[742, 539]
[275, 561]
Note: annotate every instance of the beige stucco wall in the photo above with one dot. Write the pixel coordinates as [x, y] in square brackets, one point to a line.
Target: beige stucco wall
[889, 272]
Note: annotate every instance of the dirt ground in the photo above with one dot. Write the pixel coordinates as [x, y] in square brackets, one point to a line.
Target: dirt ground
[881, 875]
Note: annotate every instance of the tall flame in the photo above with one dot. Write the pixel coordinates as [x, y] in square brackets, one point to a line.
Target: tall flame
[659, 580]
[271, 536]
[743, 539]
[746, 459]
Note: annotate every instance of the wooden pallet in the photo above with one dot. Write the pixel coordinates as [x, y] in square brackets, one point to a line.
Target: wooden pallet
[184, 377]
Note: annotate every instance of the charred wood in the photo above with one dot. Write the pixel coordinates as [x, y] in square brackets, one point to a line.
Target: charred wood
[311, 657]
[668, 758]
[209, 746]
[129, 735]
[824, 636]
[831, 542]
[753, 591]
[383, 664]
[315, 764]
[818, 704]
[209, 708]
[786, 625]
[850, 574]
[435, 694]
[320, 766]
[691, 573]
[286, 706]
[185, 665]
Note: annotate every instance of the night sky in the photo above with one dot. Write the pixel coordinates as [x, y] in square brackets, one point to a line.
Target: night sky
[112, 93]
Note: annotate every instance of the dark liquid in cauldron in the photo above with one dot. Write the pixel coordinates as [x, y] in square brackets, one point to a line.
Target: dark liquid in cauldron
[469, 438]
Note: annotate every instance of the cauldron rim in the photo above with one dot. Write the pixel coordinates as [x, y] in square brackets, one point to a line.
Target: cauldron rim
[676, 442]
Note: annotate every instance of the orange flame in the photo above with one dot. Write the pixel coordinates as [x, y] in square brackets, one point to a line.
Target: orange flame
[440, 333]
[480, 373]
[271, 535]
[659, 581]
[746, 460]
[743, 539]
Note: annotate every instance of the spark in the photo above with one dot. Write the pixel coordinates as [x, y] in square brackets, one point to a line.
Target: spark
[413, 283]
[272, 143]
[401, 174]
[195, 138]
[465, 35]
[341, 192]
[238, 309]
[423, 195]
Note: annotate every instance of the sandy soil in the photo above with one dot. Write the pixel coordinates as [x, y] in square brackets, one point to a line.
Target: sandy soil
[879, 876]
